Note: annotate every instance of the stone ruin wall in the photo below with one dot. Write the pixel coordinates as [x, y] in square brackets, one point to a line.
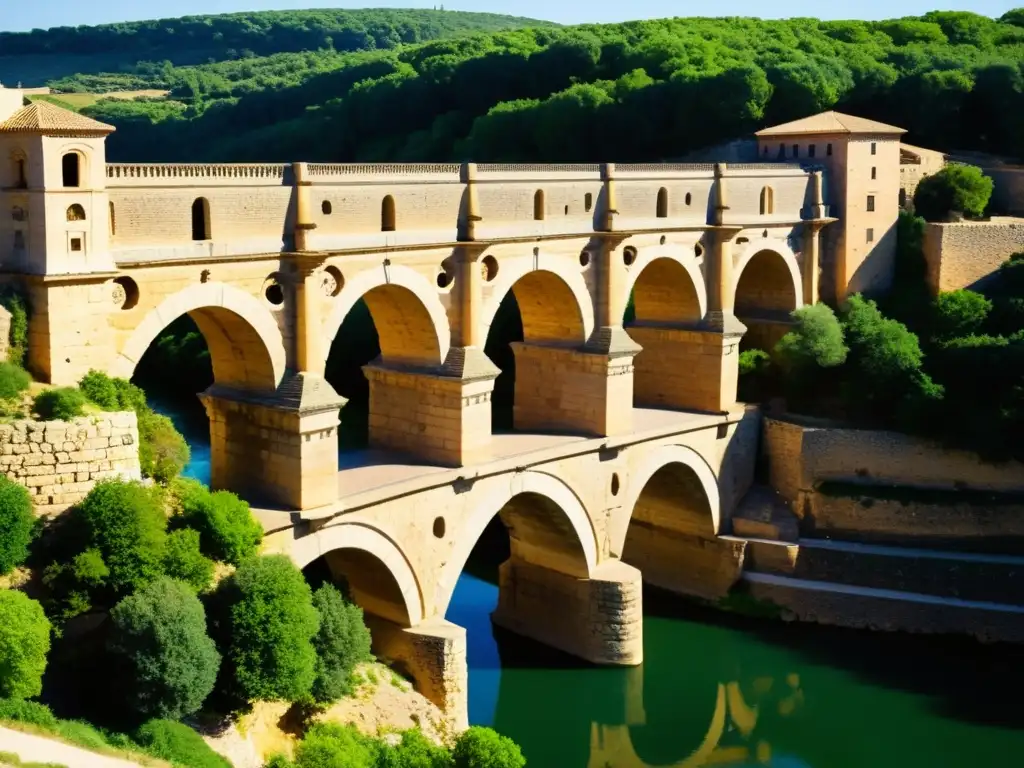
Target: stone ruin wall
[60, 462]
[963, 254]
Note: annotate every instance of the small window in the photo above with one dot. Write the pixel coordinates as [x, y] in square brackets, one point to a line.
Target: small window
[538, 205]
[765, 152]
[76, 213]
[588, 202]
[201, 219]
[874, 172]
[871, 203]
[811, 150]
[871, 235]
[767, 201]
[689, 198]
[662, 203]
[21, 180]
[782, 150]
[828, 150]
[903, 198]
[388, 220]
[19, 240]
[71, 169]
[567, 210]
[796, 150]
[76, 244]
[113, 220]
[326, 207]
[874, 148]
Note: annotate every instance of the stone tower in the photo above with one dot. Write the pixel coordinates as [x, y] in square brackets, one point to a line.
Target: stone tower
[56, 215]
[862, 158]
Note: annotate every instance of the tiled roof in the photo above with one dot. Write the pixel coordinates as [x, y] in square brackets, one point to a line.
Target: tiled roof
[829, 122]
[44, 117]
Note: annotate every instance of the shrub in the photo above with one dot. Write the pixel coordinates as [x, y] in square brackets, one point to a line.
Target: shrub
[13, 380]
[100, 389]
[183, 560]
[14, 302]
[130, 397]
[815, 342]
[484, 748]
[126, 524]
[954, 189]
[342, 642]
[272, 625]
[329, 745]
[17, 524]
[415, 751]
[227, 529]
[81, 733]
[178, 744]
[958, 313]
[161, 633]
[28, 712]
[24, 643]
[60, 404]
[163, 451]
[278, 761]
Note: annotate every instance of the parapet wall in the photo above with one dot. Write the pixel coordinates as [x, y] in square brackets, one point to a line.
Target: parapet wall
[60, 462]
[964, 254]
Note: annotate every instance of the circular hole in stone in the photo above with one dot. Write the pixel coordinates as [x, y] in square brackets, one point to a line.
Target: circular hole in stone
[584, 258]
[326, 207]
[698, 250]
[444, 279]
[628, 255]
[615, 484]
[275, 294]
[439, 527]
[126, 292]
[333, 280]
[490, 265]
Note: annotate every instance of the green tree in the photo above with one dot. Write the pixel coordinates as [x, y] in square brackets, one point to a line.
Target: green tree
[172, 663]
[60, 404]
[227, 529]
[415, 751]
[272, 623]
[954, 189]
[14, 380]
[342, 642]
[485, 748]
[100, 389]
[958, 313]
[816, 341]
[24, 643]
[16, 524]
[184, 560]
[163, 451]
[329, 745]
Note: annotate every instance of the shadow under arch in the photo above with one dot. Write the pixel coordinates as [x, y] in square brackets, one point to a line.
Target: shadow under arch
[379, 577]
[666, 288]
[245, 343]
[411, 322]
[555, 306]
[546, 522]
[767, 290]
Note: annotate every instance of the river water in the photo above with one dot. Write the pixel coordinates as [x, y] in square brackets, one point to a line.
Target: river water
[723, 690]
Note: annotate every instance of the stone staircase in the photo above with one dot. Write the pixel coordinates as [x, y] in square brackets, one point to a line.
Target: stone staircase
[905, 587]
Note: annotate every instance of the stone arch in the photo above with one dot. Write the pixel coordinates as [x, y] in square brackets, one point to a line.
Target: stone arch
[660, 459]
[245, 343]
[411, 321]
[767, 280]
[380, 576]
[667, 287]
[545, 494]
[555, 306]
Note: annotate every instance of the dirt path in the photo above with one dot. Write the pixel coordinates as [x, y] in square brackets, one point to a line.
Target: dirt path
[37, 749]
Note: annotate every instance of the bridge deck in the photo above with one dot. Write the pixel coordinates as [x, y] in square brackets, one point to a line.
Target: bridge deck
[370, 476]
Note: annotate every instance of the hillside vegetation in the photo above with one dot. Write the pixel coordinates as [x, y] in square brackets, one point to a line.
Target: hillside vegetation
[636, 91]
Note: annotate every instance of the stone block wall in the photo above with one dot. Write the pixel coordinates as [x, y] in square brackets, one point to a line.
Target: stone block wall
[60, 462]
[963, 254]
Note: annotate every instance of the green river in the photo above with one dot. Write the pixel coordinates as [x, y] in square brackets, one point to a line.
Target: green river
[716, 689]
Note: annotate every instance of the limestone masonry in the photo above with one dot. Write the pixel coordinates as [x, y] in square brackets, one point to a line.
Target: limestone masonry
[59, 461]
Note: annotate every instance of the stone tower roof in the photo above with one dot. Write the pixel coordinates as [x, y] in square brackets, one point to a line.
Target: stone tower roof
[831, 123]
[51, 120]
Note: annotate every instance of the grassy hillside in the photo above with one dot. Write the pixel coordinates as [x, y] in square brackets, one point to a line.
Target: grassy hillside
[636, 91]
[136, 51]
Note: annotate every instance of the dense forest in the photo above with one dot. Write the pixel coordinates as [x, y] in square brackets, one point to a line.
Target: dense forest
[645, 90]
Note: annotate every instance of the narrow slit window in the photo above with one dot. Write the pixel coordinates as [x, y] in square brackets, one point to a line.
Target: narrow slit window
[538, 205]
[871, 203]
[201, 219]
[388, 222]
[662, 203]
[767, 201]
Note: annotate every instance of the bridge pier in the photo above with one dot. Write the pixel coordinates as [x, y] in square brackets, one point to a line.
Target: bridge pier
[687, 368]
[280, 448]
[434, 655]
[571, 390]
[599, 619]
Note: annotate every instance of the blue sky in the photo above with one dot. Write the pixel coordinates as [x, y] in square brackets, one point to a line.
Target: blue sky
[16, 15]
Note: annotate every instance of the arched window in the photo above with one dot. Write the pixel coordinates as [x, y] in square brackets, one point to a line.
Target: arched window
[767, 201]
[662, 203]
[538, 205]
[387, 214]
[18, 169]
[588, 202]
[201, 219]
[113, 220]
[71, 169]
[76, 212]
